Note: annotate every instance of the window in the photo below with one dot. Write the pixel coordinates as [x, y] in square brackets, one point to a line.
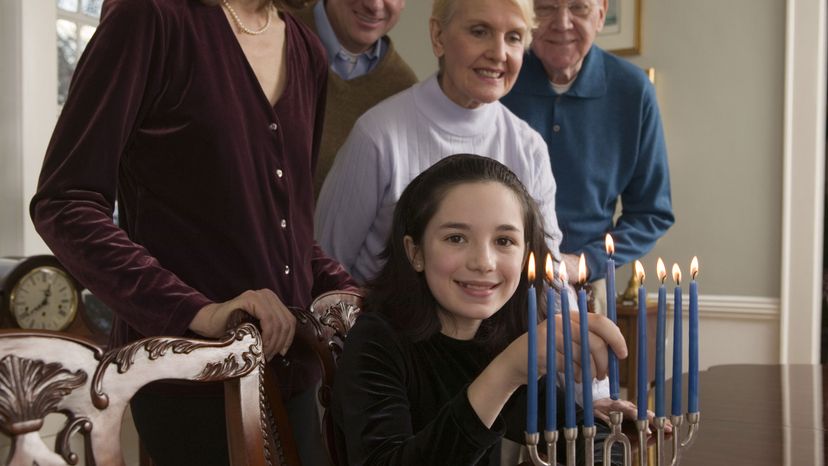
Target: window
[76, 22]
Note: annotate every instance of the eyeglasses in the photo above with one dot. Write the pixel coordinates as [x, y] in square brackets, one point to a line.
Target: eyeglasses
[580, 9]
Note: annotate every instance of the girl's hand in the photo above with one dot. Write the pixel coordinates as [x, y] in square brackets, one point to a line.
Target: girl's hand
[507, 371]
[604, 406]
[603, 334]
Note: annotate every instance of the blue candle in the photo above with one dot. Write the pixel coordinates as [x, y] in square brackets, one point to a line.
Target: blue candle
[693, 389]
[586, 369]
[677, 343]
[551, 352]
[661, 323]
[532, 363]
[569, 370]
[642, 344]
[611, 313]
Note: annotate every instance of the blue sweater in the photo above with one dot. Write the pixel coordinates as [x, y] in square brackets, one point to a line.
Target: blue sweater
[605, 140]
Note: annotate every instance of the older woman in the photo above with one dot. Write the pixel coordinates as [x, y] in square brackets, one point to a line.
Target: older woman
[480, 46]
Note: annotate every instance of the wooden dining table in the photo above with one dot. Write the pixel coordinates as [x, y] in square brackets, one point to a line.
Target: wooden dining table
[759, 415]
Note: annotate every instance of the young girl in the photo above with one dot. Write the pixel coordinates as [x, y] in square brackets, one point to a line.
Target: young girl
[431, 371]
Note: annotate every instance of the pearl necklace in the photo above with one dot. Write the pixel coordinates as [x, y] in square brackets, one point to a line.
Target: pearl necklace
[241, 25]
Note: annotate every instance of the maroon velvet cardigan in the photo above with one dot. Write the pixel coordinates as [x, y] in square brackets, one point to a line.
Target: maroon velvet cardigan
[214, 184]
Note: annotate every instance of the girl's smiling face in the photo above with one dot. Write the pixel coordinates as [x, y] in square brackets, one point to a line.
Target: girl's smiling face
[472, 254]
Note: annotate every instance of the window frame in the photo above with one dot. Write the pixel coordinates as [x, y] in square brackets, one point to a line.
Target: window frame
[80, 19]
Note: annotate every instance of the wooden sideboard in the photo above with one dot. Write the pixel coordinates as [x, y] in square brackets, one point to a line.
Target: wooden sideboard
[628, 323]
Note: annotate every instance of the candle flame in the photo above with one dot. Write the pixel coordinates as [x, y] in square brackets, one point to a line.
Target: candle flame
[531, 272]
[661, 270]
[676, 274]
[562, 272]
[694, 267]
[582, 270]
[550, 272]
[610, 245]
[639, 271]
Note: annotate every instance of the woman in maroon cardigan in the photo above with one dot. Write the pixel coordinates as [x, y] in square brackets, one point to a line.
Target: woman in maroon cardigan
[204, 119]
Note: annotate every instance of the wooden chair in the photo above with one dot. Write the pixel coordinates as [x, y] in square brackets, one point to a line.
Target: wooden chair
[331, 315]
[45, 372]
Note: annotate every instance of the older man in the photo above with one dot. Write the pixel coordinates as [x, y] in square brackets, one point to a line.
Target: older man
[364, 66]
[599, 117]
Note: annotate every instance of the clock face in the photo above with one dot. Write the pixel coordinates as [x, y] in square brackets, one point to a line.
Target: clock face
[45, 298]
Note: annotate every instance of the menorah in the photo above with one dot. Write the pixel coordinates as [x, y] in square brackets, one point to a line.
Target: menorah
[680, 438]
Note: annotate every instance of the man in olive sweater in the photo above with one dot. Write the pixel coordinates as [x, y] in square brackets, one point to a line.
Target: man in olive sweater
[364, 66]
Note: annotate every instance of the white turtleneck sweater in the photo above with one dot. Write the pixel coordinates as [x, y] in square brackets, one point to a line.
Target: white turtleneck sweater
[397, 140]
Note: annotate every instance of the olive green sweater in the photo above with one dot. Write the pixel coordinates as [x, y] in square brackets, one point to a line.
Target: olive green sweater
[348, 100]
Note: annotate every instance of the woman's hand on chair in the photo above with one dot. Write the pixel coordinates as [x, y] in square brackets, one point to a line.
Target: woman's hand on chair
[277, 322]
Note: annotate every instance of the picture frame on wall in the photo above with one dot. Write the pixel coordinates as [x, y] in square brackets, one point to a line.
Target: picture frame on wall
[621, 34]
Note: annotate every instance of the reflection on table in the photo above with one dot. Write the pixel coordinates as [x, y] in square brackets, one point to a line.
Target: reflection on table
[759, 415]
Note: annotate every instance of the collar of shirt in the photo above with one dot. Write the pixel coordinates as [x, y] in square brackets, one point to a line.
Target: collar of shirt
[451, 118]
[345, 64]
[562, 88]
[591, 81]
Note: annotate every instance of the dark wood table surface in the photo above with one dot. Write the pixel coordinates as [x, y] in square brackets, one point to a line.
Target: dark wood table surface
[759, 415]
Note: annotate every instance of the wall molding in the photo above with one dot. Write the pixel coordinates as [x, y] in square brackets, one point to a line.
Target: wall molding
[803, 183]
[729, 307]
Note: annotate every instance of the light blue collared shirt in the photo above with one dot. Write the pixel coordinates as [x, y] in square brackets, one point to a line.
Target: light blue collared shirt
[345, 64]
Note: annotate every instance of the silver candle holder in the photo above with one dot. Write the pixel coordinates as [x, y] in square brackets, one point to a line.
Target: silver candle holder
[679, 441]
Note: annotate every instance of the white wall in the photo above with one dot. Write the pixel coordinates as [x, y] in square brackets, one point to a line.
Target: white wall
[11, 193]
[720, 81]
[39, 103]
[28, 110]
[720, 84]
[412, 40]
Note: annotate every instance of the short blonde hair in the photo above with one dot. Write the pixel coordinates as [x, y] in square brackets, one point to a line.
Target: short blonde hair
[443, 11]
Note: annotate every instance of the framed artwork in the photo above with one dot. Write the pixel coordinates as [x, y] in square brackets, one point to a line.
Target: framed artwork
[622, 29]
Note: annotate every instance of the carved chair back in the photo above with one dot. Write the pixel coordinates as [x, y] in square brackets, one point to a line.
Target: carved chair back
[280, 446]
[45, 372]
[332, 315]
